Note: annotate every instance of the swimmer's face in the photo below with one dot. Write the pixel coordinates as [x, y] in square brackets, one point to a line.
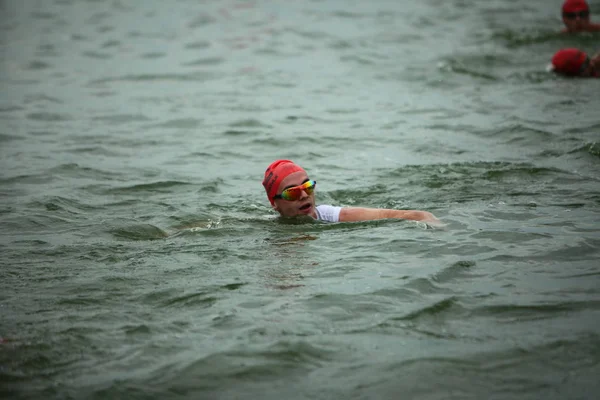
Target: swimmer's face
[576, 21]
[305, 205]
[591, 67]
[595, 61]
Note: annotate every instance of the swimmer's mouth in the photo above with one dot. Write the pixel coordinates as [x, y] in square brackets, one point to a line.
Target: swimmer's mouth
[305, 207]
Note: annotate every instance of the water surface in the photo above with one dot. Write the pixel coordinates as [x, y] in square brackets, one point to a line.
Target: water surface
[141, 259]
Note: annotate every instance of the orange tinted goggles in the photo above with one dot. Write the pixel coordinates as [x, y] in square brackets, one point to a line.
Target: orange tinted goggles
[572, 15]
[295, 193]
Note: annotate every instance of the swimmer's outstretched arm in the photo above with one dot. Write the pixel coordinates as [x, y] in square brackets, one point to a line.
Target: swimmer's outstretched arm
[349, 214]
[591, 27]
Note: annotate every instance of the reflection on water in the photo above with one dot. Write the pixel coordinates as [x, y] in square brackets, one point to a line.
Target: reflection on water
[289, 258]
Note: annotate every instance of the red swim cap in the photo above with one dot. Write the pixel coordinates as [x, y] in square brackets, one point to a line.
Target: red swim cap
[275, 173]
[568, 61]
[575, 5]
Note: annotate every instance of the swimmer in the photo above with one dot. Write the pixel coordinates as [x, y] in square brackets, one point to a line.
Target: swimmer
[576, 17]
[574, 62]
[292, 193]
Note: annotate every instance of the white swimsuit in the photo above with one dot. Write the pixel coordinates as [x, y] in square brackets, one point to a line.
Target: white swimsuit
[328, 213]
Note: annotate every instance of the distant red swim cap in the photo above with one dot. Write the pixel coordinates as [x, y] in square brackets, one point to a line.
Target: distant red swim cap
[275, 173]
[575, 5]
[568, 61]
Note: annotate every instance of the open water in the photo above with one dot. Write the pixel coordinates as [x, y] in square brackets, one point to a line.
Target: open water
[140, 258]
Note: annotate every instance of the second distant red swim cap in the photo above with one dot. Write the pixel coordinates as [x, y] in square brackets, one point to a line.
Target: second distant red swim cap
[568, 61]
[575, 5]
[275, 173]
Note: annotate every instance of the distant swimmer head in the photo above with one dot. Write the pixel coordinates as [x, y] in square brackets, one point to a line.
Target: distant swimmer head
[570, 62]
[275, 174]
[575, 6]
[575, 15]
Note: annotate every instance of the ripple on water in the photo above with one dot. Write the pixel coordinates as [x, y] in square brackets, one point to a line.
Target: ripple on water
[26, 179]
[179, 123]
[97, 55]
[42, 98]
[515, 39]
[231, 132]
[38, 223]
[510, 313]
[252, 364]
[591, 128]
[74, 170]
[9, 109]
[201, 155]
[49, 117]
[4, 138]
[529, 371]
[249, 123]
[592, 149]
[201, 299]
[38, 65]
[173, 298]
[437, 176]
[459, 271]
[118, 119]
[201, 21]
[139, 232]
[61, 204]
[518, 133]
[153, 55]
[463, 67]
[144, 78]
[209, 61]
[157, 187]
